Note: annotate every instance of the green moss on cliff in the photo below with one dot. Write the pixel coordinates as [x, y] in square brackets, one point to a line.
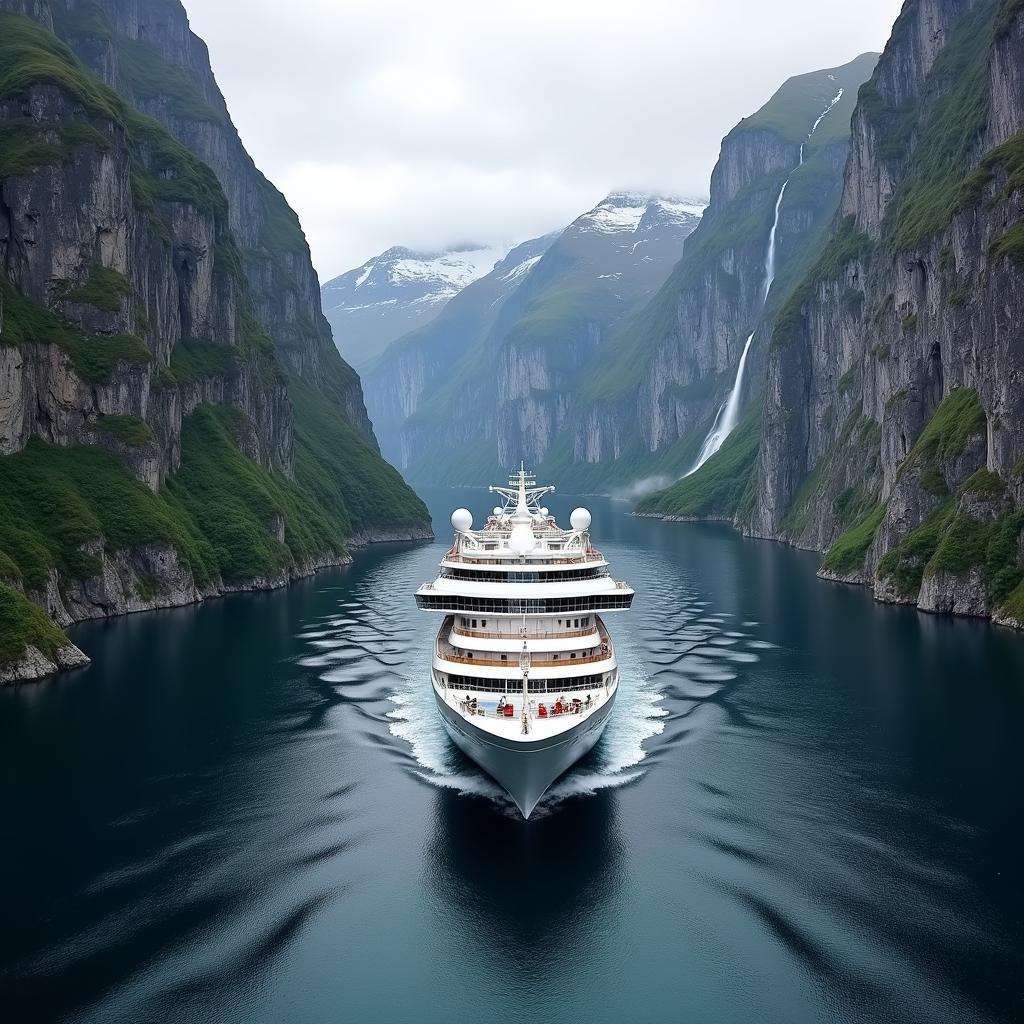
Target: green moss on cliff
[946, 136]
[93, 357]
[105, 289]
[129, 430]
[238, 506]
[86, 19]
[23, 625]
[26, 144]
[857, 444]
[54, 500]
[958, 418]
[1010, 244]
[904, 564]
[952, 540]
[850, 548]
[163, 169]
[195, 360]
[793, 108]
[343, 472]
[151, 78]
[31, 55]
[717, 488]
[1013, 605]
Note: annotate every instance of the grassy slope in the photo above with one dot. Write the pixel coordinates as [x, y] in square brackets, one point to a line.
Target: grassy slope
[221, 510]
[786, 112]
[336, 465]
[718, 487]
[22, 625]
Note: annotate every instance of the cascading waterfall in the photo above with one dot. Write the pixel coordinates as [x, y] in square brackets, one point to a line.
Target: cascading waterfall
[729, 412]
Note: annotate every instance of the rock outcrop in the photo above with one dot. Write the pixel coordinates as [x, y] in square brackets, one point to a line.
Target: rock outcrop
[893, 430]
[149, 274]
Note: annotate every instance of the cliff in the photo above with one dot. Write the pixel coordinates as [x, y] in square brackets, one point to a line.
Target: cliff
[175, 420]
[606, 359]
[893, 428]
[495, 378]
[665, 375]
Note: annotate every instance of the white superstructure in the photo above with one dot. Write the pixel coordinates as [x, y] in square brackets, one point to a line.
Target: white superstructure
[524, 671]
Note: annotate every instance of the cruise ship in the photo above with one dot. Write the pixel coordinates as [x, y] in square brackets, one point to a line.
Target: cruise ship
[524, 670]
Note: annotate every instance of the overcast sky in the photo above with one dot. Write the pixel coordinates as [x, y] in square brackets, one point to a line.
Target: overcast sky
[399, 122]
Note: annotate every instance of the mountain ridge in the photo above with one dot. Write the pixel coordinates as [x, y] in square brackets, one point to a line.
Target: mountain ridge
[175, 421]
[389, 295]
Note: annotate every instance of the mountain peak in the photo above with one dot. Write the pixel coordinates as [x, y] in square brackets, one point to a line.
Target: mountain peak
[629, 211]
[397, 291]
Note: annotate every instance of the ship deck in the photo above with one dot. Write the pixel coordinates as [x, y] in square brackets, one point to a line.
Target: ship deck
[486, 717]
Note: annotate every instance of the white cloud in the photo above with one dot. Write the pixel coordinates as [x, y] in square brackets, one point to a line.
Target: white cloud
[425, 124]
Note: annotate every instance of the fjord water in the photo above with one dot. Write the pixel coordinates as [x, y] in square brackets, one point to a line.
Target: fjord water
[806, 808]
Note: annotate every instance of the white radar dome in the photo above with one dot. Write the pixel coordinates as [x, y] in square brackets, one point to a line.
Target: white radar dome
[580, 519]
[497, 510]
[462, 520]
[544, 512]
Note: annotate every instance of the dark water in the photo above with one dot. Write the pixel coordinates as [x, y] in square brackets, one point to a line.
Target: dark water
[807, 807]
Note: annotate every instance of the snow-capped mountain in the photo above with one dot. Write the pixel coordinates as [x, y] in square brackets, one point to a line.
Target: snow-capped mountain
[632, 236]
[397, 292]
[634, 211]
[497, 371]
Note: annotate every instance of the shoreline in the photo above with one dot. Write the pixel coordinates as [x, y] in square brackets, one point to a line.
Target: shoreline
[35, 667]
[851, 580]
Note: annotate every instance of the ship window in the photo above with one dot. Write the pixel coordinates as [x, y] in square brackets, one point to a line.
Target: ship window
[504, 657]
[474, 623]
[573, 655]
[483, 623]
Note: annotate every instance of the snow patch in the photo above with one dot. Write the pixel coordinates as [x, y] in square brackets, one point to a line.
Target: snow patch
[520, 268]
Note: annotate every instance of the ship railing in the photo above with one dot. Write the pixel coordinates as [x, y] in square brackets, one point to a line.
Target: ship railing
[552, 709]
[486, 634]
[487, 558]
[447, 652]
[513, 661]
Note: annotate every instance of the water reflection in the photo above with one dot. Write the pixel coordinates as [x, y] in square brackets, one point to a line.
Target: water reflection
[807, 809]
[528, 899]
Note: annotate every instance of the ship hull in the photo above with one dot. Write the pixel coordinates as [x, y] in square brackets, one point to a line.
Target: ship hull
[524, 769]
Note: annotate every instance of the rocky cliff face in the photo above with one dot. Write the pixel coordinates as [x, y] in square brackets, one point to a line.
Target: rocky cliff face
[149, 274]
[893, 431]
[496, 376]
[667, 371]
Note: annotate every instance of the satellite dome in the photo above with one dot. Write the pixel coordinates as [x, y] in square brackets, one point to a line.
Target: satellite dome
[462, 520]
[580, 519]
[544, 512]
[497, 510]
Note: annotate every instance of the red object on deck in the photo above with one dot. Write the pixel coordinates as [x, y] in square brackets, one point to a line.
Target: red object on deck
[542, 712]
[509, 711]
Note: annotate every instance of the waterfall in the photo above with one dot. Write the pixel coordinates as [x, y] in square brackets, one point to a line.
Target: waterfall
[729, 412]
